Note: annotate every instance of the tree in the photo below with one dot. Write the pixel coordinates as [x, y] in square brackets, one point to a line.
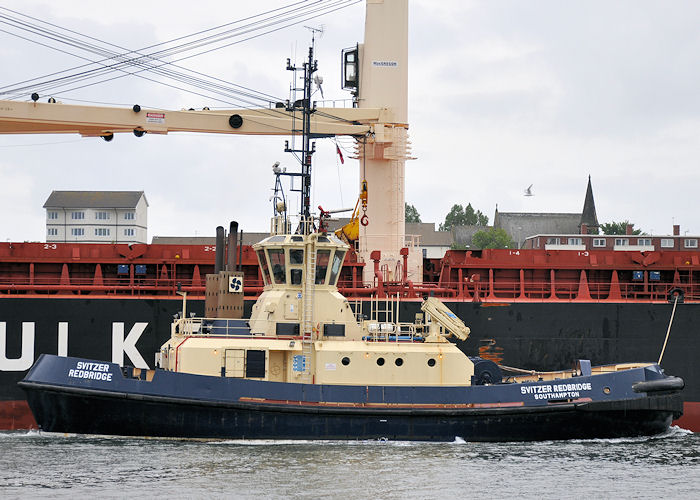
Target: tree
[412, 214]
[463, 216]
[492, 238]
[618, 228]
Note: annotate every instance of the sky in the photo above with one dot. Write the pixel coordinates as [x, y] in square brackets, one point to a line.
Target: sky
[502, 95]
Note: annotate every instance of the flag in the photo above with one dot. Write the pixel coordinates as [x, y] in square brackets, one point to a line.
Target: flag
[337, 148]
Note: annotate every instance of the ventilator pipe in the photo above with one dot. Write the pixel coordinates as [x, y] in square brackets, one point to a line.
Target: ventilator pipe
[404, 254]
[376, 256]
[231, 261]
[219, 262]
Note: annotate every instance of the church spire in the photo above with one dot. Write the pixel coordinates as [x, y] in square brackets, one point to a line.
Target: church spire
[588, 215]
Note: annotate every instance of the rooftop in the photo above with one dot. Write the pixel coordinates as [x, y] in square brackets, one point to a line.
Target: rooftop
[94, 199]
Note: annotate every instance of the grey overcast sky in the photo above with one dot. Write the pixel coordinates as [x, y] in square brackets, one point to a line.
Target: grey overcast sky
[502, 94]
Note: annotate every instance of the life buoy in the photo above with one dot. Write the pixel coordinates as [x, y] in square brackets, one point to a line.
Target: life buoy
[364, 220]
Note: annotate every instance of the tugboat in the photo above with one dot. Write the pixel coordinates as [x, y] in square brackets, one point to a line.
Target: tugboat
[304, 367]
[307, 365]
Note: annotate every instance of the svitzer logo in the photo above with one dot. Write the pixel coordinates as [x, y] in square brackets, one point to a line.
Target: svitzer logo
[120, 345]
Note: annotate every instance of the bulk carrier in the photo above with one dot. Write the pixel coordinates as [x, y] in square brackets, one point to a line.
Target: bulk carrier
[538, 308]
[534, 308]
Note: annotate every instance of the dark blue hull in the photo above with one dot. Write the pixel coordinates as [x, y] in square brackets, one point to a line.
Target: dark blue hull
[192, 406]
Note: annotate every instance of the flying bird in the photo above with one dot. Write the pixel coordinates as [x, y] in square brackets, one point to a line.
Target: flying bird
[528, 191]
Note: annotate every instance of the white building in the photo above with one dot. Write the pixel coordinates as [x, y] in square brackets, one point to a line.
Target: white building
[96, 217]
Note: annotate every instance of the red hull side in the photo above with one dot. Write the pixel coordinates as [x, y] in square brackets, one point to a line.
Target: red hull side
[15, 415]
[691, 417]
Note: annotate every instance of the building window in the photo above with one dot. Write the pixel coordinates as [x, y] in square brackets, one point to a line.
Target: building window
[52, 231]
[621, 242]
[77, 231]
[102, 215]
[644, 242]
[77, 215]
[52, 215]
[129, 216]
[128, 232]
[599, 242]
[575, 241]
[553, 241]
[101, 231]
[691, 243]
[667, 243]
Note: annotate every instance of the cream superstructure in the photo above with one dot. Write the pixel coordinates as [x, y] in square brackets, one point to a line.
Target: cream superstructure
[302, 329]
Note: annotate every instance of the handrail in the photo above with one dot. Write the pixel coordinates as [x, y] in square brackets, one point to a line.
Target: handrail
[483, 289]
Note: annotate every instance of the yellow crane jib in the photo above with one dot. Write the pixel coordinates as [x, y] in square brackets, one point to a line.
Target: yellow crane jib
[350, 232]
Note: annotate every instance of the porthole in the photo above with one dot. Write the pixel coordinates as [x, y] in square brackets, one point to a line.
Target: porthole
[380, 361]
[431, 362]
[399, 361]
[606, 390]
[345, 361]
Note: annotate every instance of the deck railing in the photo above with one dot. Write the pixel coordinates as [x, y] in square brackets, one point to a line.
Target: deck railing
[478, 291]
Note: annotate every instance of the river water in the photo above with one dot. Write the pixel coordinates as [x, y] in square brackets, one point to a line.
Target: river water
[36, 464]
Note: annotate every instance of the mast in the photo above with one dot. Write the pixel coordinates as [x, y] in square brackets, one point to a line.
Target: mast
[307, 147]
[306, 223]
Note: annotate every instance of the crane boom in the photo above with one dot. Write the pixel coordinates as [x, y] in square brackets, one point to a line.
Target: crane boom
[91, 121]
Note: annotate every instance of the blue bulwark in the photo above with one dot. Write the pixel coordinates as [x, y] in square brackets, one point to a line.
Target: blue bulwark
[299, 363]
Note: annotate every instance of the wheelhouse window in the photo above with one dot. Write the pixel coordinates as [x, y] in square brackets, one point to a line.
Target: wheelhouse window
[263, 266]
[279, 272]
[599, 242]
[336, 266]
[296, 258]
[322, 258]
[296, 276]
